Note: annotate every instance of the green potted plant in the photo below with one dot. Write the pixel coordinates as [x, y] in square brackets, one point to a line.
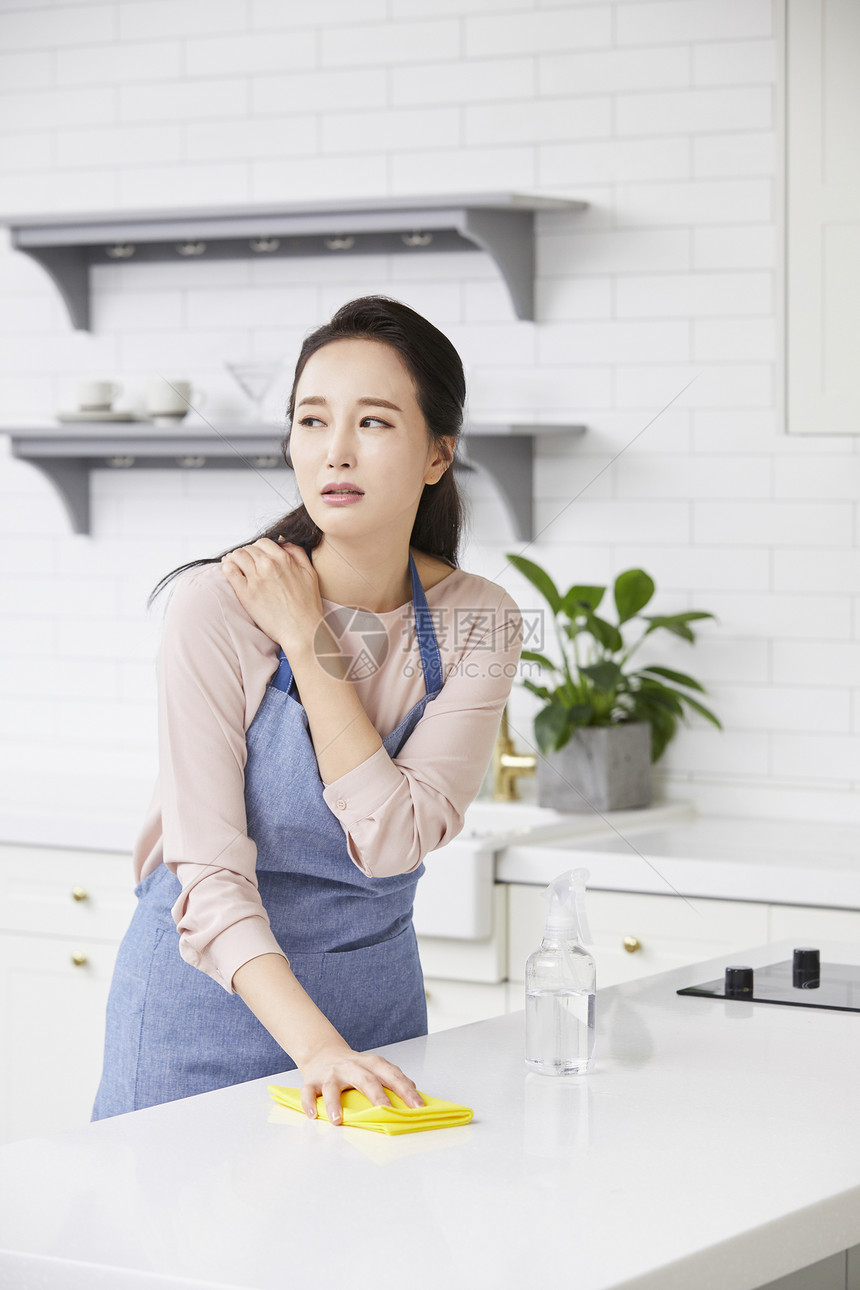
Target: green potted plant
[605, 721]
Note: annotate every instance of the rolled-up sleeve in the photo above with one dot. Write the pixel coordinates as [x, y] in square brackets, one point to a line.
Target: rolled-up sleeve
[394, 811]
[202, 754]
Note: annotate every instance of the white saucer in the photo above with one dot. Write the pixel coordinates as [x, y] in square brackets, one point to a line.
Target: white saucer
[167, 418]
[97, 416]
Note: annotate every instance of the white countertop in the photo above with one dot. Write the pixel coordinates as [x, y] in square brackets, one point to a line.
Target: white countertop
[727, 857]
[712, 1145]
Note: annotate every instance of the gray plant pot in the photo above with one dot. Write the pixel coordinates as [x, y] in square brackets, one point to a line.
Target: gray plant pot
[604, 768]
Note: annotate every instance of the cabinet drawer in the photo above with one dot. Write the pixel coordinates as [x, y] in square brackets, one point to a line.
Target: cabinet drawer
[809, 925]
[661, 931]
[453, 959]
[46, 890]
[53, 994]
[456, 1003]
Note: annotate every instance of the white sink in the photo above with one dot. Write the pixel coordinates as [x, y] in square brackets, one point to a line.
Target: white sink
[504, 823]
[508, 823]
[454, 898]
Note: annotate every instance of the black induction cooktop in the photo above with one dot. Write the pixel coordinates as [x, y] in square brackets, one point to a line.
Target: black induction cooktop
[802, 981]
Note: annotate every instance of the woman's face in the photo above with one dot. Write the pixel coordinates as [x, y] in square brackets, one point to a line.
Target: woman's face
[357, 419]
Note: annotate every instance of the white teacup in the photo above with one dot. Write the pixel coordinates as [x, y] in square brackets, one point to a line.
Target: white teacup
[171, 399]
[96, 396]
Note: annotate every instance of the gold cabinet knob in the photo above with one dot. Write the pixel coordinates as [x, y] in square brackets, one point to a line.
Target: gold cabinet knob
[80, 893]
[631, 944]
[79, 958]
[427, 994]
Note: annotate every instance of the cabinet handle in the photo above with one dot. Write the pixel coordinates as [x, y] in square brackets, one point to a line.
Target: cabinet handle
[79, 958]
[631, 944]
[427, 994]
[80, 893]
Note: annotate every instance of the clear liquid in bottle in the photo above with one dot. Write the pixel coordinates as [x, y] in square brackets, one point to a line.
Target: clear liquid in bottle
[559, 1030]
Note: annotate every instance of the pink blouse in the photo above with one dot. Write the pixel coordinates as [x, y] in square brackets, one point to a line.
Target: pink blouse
[213, 666]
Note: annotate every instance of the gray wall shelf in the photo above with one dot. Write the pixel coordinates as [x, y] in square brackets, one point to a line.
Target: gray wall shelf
[68, 454]
[502, 224]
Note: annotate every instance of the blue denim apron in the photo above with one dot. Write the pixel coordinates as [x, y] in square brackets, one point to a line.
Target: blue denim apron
[171, 1030]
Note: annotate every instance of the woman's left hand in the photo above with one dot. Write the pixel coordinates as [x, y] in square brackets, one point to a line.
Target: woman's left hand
[278, 586]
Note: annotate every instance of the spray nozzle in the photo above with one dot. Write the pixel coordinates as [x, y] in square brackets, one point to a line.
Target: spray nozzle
[566, 911]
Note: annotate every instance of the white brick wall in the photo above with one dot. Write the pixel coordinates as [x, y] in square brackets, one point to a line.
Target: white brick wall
[662, 116]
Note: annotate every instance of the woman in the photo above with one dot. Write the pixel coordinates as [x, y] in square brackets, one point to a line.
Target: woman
[278, 862]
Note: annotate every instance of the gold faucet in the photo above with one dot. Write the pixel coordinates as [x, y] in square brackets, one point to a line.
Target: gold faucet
[509, 765]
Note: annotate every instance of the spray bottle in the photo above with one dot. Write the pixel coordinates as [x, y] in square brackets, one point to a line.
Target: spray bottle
[561, 984]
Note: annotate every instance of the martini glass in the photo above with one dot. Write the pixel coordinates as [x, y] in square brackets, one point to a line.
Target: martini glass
[255, 379]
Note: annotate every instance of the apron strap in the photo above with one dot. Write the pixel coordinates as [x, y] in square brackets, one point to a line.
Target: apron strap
[431, 659]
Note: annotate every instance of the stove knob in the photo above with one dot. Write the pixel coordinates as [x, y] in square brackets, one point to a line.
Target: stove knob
[806, 969]
[739, 982]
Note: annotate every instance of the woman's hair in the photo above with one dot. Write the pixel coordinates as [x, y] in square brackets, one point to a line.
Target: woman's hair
[437, 372]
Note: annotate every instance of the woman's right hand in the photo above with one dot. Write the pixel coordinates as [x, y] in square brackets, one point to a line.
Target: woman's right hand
[337, 1066]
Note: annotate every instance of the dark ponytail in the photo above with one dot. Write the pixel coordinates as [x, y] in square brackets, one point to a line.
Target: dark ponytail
[437, 371]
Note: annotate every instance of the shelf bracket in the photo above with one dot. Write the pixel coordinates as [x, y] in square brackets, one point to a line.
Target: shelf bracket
[71, 479]
[508, 238]
[68, 269]
[508, 461]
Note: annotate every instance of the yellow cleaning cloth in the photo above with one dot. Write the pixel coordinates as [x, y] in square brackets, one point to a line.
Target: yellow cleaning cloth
[360, 1113]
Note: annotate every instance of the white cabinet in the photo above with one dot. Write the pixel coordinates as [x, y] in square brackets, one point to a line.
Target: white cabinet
[482, 960]
[465, 980]
[52, 1006]
[63, 914]
[64, 892]
[808, 926]
[457, 1003]
[822, 225]
[637, 935]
